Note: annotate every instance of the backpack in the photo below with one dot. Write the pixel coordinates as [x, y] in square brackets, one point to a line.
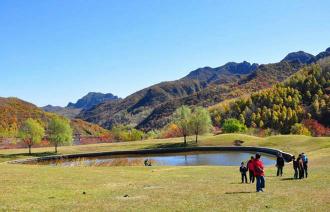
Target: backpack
[305, 159]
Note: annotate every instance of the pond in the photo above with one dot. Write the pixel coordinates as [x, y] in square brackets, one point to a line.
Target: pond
[224, 158]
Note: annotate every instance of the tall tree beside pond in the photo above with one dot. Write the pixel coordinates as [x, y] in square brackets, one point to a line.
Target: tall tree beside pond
[182, 117]
[200, 122]
[31, 132]
[59, 132]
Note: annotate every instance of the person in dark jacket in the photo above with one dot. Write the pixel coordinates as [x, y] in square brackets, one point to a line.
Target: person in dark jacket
[305, 163]
[295, 167]
[243, 171]
[300, 166]
[279, 164]
[250, 167]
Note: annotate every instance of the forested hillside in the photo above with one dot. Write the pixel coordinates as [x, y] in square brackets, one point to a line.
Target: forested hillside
[303, 96]
[265, 76]
[13, 112]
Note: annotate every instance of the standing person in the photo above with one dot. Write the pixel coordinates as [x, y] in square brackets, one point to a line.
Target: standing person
[279, 164]
[250, 167]
[305, 163]
[295, 167]
[243, 169]
[300, 166]
[259, 173]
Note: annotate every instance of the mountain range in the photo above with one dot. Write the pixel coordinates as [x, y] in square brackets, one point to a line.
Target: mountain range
[151, 107]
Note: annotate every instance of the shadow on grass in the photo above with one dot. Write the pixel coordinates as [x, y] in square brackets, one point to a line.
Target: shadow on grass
[239, 183]
[240, 192]
[288, 178]
[21, 155]
[272, 176]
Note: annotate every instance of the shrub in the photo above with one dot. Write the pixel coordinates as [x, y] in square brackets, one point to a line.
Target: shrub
[300, 129]
[316, 128]
[171, 131]
[152, 134]
[135, 135]
[126, 133]
[232, 126]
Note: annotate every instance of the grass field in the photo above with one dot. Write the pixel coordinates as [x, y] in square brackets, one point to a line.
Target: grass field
[33, 187]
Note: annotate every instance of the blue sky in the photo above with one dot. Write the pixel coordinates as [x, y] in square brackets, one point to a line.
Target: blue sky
[56, 51]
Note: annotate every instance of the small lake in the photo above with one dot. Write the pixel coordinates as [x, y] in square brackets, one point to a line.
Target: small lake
[172, 159]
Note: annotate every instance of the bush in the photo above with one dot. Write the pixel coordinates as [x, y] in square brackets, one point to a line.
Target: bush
[126, 133]
[300, 129]
[152, 134]
[135, 135]
[316, 128]
[232, 126]
[171, 131]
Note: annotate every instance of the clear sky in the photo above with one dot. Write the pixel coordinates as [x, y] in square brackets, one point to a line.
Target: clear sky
[56, 51]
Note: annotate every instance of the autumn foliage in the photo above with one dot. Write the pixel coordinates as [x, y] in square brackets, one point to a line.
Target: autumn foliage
[305, 95]
[316, 128]
[171, 131]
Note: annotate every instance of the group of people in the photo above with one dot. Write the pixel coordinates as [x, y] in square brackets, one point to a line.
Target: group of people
[255, 167]
[300, 166]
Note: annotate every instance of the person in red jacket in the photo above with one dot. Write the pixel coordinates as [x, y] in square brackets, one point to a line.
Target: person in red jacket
[259, 173]
[250, 166]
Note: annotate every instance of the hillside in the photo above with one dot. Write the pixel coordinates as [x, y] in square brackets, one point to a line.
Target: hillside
[265, 76]
[70, 113]
[303, 97]
[13, 112]
[152, 107]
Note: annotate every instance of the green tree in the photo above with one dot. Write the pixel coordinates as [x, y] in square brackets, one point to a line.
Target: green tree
[182, 118]
[200, 121]
[241, 118]
[31, 132]
[233, 125]
[59, 132]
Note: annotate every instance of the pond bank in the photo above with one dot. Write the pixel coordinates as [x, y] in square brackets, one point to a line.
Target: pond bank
[287, 156]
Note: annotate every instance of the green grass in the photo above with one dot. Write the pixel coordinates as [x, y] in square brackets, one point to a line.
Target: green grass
[34, 187]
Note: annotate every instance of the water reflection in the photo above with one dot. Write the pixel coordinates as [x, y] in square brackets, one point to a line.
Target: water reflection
[174, 159]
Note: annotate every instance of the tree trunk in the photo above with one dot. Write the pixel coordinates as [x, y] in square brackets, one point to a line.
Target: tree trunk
[196, 132]
[55, 148]
[29, 149]
[185, 139]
